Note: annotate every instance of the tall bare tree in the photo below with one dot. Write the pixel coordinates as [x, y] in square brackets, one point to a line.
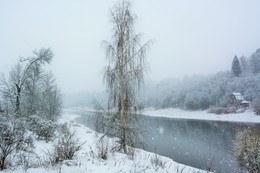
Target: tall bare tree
[124, 73]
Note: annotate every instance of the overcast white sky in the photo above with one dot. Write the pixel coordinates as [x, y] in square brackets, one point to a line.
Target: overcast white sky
[191, 37]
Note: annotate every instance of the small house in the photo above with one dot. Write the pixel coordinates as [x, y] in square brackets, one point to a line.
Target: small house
[237, 100]
[245, 104]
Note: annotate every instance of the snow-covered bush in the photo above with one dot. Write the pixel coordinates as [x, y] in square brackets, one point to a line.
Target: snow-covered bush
[65, 146]
[256, 106]
[222, 110]
[247, 148]
[14, 138]
[131, 153]
[102, 148]
[44, 129]
[26, 160]
[158, 162]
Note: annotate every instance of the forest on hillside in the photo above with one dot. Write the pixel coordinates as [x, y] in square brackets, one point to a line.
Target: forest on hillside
[202, 92]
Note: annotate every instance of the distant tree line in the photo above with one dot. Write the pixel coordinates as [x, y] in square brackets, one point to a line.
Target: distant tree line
[200, 92]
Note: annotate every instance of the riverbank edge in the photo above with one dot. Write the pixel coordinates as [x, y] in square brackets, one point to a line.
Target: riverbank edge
[245, 117]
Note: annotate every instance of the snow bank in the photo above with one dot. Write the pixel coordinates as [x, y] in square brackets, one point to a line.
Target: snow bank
[247, 116]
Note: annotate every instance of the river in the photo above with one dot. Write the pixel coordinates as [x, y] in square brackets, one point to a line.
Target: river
[197, 143]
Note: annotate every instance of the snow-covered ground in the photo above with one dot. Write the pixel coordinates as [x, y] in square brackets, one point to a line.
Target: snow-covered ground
[247, 116]
[87, 160]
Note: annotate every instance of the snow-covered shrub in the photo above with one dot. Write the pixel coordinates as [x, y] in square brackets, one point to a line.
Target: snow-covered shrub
[65, 146]
[222, 110]
[44, 129]
[102, 148]
[256, 106]
[131, 153]
[217, 110]
[14, 138]
[247, 148]
[157, 162]
[27, 160]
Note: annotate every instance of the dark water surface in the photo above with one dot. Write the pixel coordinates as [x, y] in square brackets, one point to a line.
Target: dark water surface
[196, 143]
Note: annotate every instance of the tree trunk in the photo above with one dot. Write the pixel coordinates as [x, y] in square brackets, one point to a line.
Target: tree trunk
[18, 95]
[123, 92]
[2, 164]
[123, 123]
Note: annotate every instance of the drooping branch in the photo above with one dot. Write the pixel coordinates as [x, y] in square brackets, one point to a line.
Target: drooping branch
[42, 56]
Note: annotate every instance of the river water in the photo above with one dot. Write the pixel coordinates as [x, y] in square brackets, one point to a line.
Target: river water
[197, 143]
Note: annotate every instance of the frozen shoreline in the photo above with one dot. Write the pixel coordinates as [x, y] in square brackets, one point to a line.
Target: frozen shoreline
[246, 117]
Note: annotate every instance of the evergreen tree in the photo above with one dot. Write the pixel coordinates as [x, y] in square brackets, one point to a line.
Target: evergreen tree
[236, 67]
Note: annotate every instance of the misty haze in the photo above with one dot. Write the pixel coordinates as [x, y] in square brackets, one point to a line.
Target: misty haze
[130, 86]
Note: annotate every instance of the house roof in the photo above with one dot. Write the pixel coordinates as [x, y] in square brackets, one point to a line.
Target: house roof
[238, 96]
[245, 102]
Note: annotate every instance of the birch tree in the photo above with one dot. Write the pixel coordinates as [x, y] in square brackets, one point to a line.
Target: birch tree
[124, 73]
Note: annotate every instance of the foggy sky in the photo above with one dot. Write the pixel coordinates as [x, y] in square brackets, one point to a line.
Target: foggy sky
[191, 37]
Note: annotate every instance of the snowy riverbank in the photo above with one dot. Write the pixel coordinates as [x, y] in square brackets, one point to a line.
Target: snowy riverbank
[88, 161]
[247, 116]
